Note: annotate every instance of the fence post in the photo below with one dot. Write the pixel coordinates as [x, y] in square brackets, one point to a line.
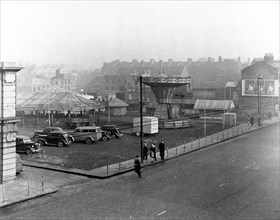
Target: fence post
[107, 167]
[167, 151]
[28, 187]
[176, 149]
[191, 144]
[42, 184]
[199, 142]
[184, 147]
[119, 163]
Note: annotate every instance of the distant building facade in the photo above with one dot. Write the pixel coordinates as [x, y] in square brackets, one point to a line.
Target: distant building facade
[63, 81]
[260, 82]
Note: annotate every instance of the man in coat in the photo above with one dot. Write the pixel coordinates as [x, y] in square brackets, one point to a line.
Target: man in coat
[137, 166]
[161, 148]
[153, 152]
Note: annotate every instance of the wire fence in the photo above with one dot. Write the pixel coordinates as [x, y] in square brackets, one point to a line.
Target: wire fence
[186, 147]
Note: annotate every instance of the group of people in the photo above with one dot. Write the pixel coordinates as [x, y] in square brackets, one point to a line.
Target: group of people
[146, 152]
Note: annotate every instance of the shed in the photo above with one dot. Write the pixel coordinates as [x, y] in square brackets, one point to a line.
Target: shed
[202, 104]
[117, 106]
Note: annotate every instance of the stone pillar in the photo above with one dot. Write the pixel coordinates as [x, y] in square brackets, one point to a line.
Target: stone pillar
[8, 121]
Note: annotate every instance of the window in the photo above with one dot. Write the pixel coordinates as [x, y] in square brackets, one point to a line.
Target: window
[68, 81]
[112, 88]
[65, 81]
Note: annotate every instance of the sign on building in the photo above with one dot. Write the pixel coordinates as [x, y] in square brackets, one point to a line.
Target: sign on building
[266, 87]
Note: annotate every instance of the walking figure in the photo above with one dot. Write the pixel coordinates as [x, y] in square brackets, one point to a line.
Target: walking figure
[153, 152]
[269, 115]
[145, 151]
[252, 120]
[137, 166]
[161, 148]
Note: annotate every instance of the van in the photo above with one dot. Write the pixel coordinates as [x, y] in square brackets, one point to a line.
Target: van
[87, 134]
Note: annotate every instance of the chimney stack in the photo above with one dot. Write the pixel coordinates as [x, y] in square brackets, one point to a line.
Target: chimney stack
[269, 58]
[220, 59]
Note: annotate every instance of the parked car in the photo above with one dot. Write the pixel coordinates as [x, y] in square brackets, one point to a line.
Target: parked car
[25, 145]
[87, 134]
[45, 131]
[106, 135]
[56, 138]
[113, 129]
[19, 165]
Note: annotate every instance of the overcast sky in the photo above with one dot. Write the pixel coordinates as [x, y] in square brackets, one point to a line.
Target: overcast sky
[88, 33]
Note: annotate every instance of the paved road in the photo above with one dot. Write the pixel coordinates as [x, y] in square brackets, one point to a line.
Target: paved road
[238, 179]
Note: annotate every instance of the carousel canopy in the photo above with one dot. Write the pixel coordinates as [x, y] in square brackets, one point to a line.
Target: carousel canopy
[60, 101]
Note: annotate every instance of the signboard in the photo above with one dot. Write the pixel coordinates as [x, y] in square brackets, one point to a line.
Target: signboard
[266, 87]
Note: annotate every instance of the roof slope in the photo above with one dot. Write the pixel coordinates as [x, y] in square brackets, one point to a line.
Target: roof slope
[213, 104]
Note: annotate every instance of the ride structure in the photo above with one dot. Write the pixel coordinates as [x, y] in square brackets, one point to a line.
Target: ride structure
[163, 89]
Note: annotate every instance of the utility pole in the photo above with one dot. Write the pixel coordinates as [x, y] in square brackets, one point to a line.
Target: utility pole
[141, 120]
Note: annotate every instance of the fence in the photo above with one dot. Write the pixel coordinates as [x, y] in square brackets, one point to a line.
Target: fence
[183, 148]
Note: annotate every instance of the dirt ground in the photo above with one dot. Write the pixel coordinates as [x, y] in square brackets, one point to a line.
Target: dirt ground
[87, 157]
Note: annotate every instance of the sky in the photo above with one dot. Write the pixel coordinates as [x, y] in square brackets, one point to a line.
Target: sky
[85, 34]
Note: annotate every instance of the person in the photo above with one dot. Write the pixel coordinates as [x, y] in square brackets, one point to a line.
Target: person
[153, 152]
[252, 120]
[145, 151]
[137, 166]
[161, 148]
[269, 115]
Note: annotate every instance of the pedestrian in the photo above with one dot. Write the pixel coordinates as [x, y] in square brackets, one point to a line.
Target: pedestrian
[161, 148]
[153, 152]
[269, 115]
[252, 120]
[145, 151]
[137, 166]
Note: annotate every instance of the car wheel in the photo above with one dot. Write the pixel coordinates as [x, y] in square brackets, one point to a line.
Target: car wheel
[115, 136]
[88, 140]
[28, 151]
[41, 143]
[60, 144]
[104, 138]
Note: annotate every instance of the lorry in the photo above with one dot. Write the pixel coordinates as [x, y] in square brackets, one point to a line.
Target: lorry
[150, 125]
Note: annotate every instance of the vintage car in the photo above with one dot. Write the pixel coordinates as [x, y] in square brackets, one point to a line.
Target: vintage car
[25, 145]
[113, 130]
[87, 134]
[56, 138]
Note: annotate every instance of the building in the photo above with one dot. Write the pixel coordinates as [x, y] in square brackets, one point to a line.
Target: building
[259, 87]
[63, 81]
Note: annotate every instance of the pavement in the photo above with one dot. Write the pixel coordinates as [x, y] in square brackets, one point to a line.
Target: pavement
[23, 189]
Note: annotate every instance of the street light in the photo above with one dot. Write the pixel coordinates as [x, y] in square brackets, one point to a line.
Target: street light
[259, 101]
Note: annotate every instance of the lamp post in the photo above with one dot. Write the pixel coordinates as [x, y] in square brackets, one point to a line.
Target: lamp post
[259, 101]
[141, 120]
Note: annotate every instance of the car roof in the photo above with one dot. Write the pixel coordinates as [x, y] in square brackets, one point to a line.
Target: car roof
[22, 136]
[88, 127]
[109, 125]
